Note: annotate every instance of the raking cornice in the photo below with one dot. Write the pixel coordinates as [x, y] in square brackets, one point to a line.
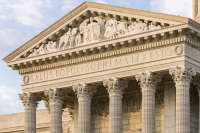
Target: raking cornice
[91, 6]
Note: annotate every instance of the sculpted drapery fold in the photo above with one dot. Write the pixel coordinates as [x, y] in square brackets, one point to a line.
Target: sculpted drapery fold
[91, 30]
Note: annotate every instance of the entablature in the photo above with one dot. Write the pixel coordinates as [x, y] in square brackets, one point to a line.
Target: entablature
[107, 48]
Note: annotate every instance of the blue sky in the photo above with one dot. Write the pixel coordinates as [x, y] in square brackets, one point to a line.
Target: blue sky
[20, 20]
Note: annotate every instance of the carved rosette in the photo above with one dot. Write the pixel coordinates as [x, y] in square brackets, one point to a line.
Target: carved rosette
[84, 91]
[182, 75]
[55, 96]
[148, 81]
[29, 100]
[115, 86]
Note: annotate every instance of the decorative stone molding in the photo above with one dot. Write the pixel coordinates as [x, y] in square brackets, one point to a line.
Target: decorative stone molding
[130, 43]
[84, 91]
[115, 86]
[91, 30]
[55, 96]
[148, 81]
[182, 74]
[29, 100]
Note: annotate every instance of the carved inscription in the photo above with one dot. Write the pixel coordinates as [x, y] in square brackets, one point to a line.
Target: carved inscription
[117, 62]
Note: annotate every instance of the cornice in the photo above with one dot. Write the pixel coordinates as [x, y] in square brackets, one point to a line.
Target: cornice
[69, 19]
[107, 49]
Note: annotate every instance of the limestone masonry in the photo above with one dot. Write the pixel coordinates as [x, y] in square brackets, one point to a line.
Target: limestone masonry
[109, 69]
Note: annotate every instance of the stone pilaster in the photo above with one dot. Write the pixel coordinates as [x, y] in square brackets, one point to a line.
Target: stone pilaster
[30, 104]
[197, 84]
[182, 77]
[148, 82]
[115, 87]
[55, 98]
[84, 93]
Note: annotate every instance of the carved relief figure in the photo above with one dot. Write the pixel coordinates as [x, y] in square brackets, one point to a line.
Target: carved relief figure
[90, 30]
[122, 27]
[132, 103]
[111, 29]
[64, 40]
[100, 108]
[51, 46]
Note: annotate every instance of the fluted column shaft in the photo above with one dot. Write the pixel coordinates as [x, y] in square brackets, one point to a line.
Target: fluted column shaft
[115, 87]
[30, 104]
[182, 77]
[55, 98]
[195, 9]
[84, 93]
[148, 82]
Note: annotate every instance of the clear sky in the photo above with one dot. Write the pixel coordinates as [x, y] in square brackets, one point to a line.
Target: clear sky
[20, 20]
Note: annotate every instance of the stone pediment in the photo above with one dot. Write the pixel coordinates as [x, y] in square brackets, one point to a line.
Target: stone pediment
[91, 23]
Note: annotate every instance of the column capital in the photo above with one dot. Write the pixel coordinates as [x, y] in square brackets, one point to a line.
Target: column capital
[55, 96]
[182, 74]
[84, 91]
[148, 81]
[115, 86]
[29, 100]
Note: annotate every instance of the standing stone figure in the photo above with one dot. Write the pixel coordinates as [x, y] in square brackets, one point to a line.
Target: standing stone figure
[64, 40]
[91, 32]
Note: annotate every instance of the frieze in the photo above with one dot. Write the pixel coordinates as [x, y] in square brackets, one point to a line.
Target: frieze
[101, 65]
[92, 30]
[69, 82]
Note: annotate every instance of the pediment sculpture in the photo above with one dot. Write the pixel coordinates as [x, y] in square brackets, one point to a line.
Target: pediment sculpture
[92, 30]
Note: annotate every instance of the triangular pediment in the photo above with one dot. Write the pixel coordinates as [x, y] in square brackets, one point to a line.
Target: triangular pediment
[90, 23]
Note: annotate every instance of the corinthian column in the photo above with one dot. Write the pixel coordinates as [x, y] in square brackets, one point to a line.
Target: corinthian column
[182, 77]
[55, 98]
[115, 87]
[148, 82]
[30, 104]
[84, 93]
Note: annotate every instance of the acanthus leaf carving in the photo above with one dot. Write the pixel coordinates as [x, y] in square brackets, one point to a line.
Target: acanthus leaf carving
[29, 100]
[148, 80]
[91, 30]
[84, 91]
[54, 96]
[183, 73]
[115, 86]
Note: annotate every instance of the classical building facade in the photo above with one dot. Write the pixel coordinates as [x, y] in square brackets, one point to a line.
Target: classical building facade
[109, 69]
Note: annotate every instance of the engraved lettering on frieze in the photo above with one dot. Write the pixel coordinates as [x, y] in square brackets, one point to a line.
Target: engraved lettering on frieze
[26, 79]
[106, 64]
[91, 30]
[179, 50]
